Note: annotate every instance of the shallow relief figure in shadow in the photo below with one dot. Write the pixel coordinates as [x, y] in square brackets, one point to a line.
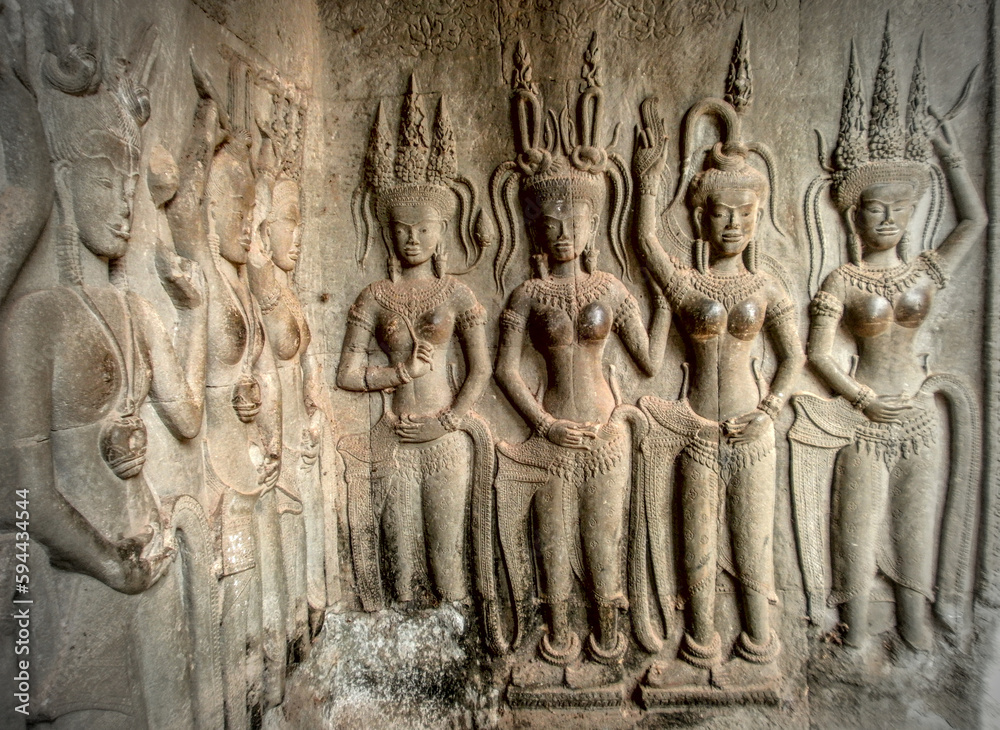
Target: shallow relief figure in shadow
[719, 437]
[210, 218]
[305, 403]
[26, 199]
[77, 362]
[571, 477]
[889, 515]
[410, 478]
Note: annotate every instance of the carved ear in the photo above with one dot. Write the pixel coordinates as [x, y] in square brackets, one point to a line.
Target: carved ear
[696, 216]
[64, 193]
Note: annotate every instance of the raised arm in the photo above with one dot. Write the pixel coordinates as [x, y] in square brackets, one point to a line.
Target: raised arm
[29, 345]
[26, 201]
[649, 160]
[187, 211]
[647, 349]
[971, 212]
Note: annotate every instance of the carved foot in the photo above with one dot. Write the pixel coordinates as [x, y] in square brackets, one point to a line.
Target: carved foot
[706, 655]
[758, 653]
[536, 674]
[560, 655]
[610, 655]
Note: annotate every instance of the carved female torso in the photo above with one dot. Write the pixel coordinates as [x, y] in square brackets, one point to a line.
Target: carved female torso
[883, 310]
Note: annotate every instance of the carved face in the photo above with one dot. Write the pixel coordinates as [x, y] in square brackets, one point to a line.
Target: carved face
[882, 215]
[284, 233]
[416, 231]
[729, 221]
[102, 182]
[563, 228]
[232, 195]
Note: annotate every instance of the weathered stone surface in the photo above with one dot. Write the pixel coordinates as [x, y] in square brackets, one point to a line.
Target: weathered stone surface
[457, 363]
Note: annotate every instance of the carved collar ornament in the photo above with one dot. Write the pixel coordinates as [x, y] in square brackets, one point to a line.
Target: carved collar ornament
[877, 150]
[558, 158]
[424, 171]
[896, 279]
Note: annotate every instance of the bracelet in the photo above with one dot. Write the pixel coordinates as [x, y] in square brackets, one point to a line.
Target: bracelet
[270, 301]
[449, 421]
[864, 397]
[649, 187]
[771, 405]
[403, 374]
[543, 425]
[954, 160]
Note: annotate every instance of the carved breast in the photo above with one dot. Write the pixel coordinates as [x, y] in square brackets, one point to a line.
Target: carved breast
[913, 306]
[707, 319]
[870, 316]
[231, 346]
[554, 327]
[434, 326]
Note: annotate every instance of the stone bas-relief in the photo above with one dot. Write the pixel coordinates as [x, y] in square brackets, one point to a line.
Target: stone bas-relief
[266, 487]
[570, 479]
[409, 479]
[893, 514]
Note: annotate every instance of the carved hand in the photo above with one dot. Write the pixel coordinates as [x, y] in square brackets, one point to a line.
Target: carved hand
[650, 156]
[572, 435]
[887, 409]
[269, 471]
[746, 428]
[182, 278]
[944, 143]
[418, 430]
[136, 573]
[421, 361]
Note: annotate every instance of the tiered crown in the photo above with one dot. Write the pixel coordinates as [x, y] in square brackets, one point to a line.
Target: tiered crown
[422, 170]
[877, 150]
[558, 158]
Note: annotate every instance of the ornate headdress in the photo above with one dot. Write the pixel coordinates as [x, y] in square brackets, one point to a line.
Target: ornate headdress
[558, 159]
[724, 165]
[423, 172]
[91, 91]
[877, 150]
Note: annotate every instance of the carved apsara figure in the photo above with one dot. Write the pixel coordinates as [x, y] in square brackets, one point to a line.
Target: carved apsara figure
[884, 428]
[77, 362]
[572, 474]
[722, 431]
[272, 263]
[409, 479]
[210, 218]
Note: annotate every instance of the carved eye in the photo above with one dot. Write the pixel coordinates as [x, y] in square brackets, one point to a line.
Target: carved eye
[106, 182]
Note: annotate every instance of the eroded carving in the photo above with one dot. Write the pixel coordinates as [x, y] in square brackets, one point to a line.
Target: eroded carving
[571, 478]
[210, 218]
[881, 436]
[409, 478]
[720, 435]
[75, 439]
